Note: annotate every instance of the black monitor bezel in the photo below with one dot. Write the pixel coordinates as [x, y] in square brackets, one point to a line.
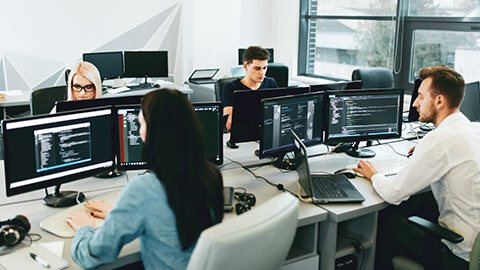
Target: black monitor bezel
[128, 72]
[378, 91]
[472, 86]
[291, 147]
[243, 126]
[271, 51]
[69, 105]
[56, 181]
[220, 128]
[341, 86]
[103, 53]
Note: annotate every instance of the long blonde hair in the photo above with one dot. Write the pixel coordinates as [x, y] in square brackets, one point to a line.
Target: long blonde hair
[89, 71]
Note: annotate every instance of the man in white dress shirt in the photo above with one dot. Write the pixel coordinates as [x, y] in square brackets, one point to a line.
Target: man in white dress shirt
[447, 159]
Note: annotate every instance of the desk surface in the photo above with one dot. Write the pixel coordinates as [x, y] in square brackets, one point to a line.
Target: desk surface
[30, 204]
[24, 100]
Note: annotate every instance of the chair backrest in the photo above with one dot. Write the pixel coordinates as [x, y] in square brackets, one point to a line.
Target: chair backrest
[219, 86]
[377, 77]
[279, 72]
[258, 239]
[474, 263]
[42, 100]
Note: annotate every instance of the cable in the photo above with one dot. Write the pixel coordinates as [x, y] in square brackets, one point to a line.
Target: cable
[400, 154]
[307, 200]
[278, 186]
[357, 245]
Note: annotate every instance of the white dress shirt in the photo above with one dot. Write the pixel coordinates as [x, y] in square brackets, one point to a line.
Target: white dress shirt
[447, 159]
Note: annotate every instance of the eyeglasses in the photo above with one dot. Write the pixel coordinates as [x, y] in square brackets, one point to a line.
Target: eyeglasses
[86, 88]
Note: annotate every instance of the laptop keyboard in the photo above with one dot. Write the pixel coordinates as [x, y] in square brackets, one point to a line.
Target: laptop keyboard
[326, 187]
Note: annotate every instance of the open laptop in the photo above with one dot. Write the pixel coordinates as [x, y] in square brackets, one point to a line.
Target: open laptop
[323, 188]
[203, 76]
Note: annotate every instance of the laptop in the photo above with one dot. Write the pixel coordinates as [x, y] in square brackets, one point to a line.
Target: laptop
[325, 188]
[203, 76]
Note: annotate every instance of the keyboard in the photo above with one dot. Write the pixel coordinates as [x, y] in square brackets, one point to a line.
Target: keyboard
[326, 187]
[386, 166]
[57, 225]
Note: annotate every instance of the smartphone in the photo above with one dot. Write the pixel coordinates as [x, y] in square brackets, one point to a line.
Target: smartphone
[228, 199]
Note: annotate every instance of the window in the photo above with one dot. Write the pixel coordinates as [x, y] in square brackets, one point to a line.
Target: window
[343, 35]
[338, 36]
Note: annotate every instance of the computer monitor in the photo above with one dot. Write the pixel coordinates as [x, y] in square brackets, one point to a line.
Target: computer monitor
[129, 149]
[471, 102]
[412, 111]
[49, 150]
[210, 117]
[109, 64]
[146, 64]
[242, 50]
[336, 86]
[355, 116]
[301, 113]
[247, 111]
[70, 105]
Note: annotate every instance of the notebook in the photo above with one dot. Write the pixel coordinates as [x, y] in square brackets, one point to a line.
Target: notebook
[323, 188]
[203, 76]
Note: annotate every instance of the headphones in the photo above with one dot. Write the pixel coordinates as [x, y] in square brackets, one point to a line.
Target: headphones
[245, 202]
[13, 231]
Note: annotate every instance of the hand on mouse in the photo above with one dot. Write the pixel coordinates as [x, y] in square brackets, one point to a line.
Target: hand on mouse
[366, 168]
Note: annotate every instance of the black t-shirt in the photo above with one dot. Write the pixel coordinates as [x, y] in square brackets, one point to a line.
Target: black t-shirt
[230, 87]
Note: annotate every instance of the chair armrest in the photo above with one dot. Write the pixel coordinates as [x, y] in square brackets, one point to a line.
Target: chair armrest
[430, 227]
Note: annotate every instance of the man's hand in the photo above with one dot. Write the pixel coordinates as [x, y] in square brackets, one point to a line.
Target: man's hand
[366, 168]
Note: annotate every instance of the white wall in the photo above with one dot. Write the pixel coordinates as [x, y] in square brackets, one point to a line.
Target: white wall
[42, 38]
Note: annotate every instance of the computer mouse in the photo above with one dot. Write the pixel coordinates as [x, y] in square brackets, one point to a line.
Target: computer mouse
[156, 85]
[349, 173]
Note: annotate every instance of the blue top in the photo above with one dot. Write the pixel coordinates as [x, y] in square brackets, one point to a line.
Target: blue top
[141, 210]
[230, 87]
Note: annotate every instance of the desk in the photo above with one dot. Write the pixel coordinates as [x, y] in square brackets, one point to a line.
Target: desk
[352, 220]
[24, 99]
[319, 239]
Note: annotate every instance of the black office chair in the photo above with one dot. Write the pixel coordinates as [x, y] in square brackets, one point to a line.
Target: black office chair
[376, 77]
[279, 72]
[432, 247]
[219, 86]
[43, 100]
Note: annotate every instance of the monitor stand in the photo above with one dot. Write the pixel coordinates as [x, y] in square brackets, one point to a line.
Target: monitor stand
[109, 174]
[280, 162]
[232, 144]
[284, 164]
[361, 153]
[62, 198]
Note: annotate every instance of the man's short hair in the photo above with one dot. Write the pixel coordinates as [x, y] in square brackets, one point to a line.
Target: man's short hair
[447, 82]
[255, 53]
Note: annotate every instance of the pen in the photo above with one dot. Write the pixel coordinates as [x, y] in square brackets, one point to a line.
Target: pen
[41, 261]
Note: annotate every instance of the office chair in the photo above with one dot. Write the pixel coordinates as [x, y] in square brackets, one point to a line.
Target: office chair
[43, 100]
[258, 239]
[432, 256]
[219, 86]
[377, 77]
[279, 72]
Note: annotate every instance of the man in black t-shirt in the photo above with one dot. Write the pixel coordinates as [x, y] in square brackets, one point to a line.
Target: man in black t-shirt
[255, 60]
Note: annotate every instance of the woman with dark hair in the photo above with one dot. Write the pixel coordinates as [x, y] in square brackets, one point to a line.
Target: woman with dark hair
[168, 208]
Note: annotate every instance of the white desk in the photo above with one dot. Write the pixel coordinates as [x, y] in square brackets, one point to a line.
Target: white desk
[319, 239]
[354, 220]
[24, 99]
